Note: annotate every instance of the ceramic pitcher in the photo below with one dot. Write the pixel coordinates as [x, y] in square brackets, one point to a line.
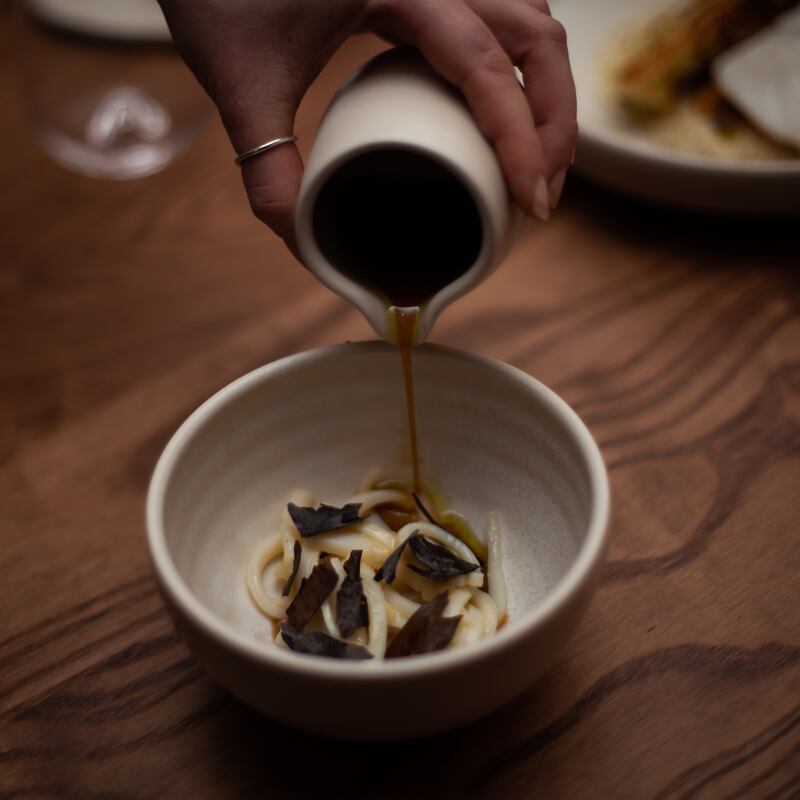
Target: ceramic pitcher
[398, 102]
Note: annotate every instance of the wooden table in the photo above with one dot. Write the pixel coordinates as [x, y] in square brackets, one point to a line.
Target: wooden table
[677, 338]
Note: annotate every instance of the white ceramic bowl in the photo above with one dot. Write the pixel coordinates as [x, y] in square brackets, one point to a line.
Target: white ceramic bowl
[624, 158]
[492, 436]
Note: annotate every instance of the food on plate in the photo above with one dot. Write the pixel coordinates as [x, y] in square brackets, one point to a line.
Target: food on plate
[714, 78]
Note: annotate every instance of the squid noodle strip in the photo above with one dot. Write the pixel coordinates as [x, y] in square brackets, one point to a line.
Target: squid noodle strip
[272, 582]
[377, 529]
[382, 497]
[466, 631]
[328, 609]
[287, 541]
[378, 629]
[426, 589]
[488, 609]
[376, 521]
[398, 606]
[456, 602]
[400, 584]
[308, 560]
[342, 544]
[369, 480]
[471, 625]
[429, 589]
[494, 564]
[394, 619]
[389, 606]
[272, 606]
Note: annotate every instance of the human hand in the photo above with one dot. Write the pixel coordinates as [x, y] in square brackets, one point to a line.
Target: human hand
[257, 59]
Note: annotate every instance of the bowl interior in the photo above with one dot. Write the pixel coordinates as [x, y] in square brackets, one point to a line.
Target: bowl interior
[490, 437]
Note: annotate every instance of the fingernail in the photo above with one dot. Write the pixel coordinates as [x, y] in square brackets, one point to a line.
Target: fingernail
[541, 200]
[555, 187]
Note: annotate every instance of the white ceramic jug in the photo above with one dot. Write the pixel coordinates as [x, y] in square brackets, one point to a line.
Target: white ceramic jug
[397, 119]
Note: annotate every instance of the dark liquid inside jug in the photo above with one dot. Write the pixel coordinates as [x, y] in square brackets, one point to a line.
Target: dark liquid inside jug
[404, 226]
[399, 223]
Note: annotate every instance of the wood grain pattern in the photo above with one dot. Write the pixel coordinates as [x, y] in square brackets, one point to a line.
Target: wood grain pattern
[677, 338]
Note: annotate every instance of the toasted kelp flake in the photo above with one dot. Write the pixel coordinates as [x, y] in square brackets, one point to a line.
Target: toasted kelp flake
[426, 630]
[351, 604]
[313, 521]
[442, 564]
[312, 593]
[388, 569]
[455, 525]
[320, 644]
[425, 513]
[298, 551]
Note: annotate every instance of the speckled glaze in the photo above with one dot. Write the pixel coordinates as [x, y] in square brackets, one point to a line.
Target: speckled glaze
[491, 436]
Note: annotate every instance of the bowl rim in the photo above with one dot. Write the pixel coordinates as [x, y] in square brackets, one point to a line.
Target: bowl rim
[506, 639]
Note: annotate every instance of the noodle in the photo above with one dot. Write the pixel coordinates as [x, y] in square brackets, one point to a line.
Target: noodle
[398, 607]
[475, 596]
[494, 565]
[328, 609]
[377, 612]
[382, 497]
[271, 605]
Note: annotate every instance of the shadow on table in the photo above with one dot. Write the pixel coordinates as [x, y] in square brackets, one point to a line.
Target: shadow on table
[266, 758]
[715, 240]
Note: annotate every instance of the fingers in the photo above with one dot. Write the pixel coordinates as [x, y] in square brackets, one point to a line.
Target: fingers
[256, 60]
[463, 49]
[255, 110]
[538, 45]
[534, 141]
[272, 179]
[233, 58]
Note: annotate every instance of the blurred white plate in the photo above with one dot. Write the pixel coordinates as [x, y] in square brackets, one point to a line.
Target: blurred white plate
[624, 159]
[114, 19]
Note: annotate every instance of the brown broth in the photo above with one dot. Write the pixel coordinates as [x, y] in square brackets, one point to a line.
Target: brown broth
[405, 321]
[404, 226]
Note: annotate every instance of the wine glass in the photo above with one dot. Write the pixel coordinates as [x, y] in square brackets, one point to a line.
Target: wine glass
[107, 93]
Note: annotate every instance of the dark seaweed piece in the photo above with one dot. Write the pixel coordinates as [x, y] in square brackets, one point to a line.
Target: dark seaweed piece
[442, 564]
[427, 514]
[351, 605]
[426, 630]
[313, 521]
[320, 644]
[312, 593]
[295, 566]
[388, 569]
[462, 531]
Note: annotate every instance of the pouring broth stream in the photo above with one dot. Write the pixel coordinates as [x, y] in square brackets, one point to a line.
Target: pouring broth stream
[405, 227]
